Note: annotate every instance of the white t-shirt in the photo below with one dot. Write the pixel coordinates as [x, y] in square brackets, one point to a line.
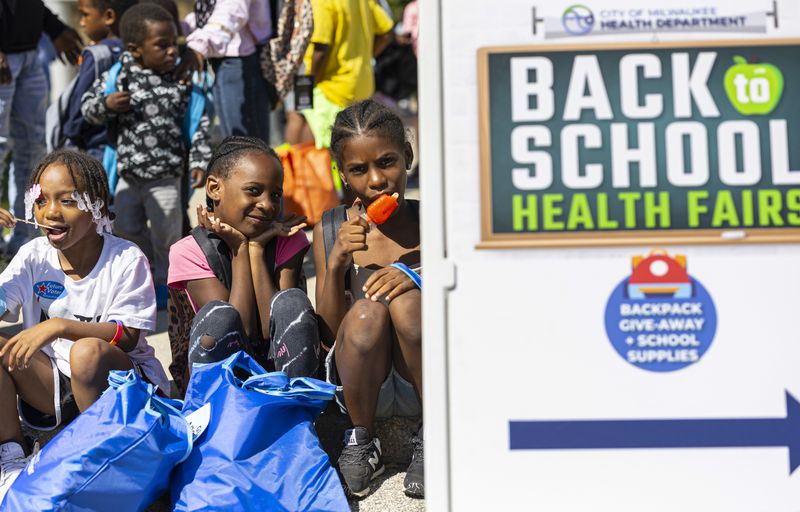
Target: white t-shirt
[119, 287]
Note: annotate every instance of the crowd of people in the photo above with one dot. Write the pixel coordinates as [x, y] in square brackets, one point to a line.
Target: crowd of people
[130, 137]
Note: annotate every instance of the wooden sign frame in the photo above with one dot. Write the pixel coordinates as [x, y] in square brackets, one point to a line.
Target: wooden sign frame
[491, 240]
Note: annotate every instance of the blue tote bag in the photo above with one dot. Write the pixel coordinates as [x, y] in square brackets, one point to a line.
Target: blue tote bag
[260, 450]
[117, 455]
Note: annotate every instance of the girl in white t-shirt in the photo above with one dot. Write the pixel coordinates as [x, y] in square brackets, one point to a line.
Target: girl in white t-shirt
[87, 301]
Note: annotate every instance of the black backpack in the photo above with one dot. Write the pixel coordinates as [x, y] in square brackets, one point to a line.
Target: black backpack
[332, 220]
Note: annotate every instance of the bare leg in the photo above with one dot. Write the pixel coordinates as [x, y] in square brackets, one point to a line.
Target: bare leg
[90, 360]
[297, 130]
[10, 429]
[363, 359]
[34, 384]
[406, 313]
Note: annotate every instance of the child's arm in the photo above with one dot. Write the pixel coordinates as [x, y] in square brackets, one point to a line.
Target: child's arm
[241, 295]
[18, 351]
[264, 283]
[97, 108]
[331, 307]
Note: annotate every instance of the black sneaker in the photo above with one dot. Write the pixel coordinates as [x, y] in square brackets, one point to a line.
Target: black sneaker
[414, 482]
[360, 461]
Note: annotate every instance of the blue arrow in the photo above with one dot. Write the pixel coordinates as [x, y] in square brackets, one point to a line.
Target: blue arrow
[683, 433]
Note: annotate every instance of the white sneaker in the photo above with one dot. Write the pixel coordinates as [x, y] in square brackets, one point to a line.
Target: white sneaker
[12, 462]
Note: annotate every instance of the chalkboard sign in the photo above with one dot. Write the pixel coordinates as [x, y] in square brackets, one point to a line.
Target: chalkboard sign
[690, 142]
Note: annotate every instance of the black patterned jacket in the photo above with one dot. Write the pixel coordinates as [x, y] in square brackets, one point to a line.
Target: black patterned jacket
[150, 140]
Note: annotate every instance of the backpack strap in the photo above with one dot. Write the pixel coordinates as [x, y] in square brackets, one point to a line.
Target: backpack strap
[332, 220]
[195, 110]
[110, 153]
[111, 81]
[103, 58]
[217, 253]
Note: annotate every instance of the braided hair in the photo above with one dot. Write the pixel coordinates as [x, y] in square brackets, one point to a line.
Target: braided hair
[230, 151]
[87, 174]
[366, 117]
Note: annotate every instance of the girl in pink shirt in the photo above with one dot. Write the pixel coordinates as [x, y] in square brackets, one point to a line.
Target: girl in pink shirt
[240, 269]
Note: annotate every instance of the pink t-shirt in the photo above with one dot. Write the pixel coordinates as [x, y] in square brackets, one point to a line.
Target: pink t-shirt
[187, 261]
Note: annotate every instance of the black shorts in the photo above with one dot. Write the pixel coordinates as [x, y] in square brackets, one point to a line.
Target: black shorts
[63, 403]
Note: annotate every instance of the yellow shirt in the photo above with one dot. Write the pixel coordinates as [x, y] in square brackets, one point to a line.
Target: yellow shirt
[349, 28]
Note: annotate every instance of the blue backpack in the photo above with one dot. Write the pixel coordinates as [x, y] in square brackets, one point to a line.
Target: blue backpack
[57, 111]
[191, 121]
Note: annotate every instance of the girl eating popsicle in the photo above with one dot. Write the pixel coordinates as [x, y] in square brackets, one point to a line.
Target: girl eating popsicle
[368, 290]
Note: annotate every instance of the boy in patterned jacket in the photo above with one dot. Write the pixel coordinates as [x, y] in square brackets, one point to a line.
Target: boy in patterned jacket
[147, 114]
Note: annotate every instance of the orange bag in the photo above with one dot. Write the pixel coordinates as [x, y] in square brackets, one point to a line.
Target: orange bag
[308, 187]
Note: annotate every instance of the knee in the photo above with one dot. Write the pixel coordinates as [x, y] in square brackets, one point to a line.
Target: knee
[214, 320]
[366, 327]
[290, 304]
[216, 332]
[406, 315]
[85, 359]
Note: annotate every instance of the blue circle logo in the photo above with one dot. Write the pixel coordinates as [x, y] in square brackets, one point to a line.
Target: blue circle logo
[660, 319]
[577, 20]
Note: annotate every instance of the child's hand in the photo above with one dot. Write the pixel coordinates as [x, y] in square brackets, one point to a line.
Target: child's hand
[119, 102]
[388, 281]
[6, 219]
[191, 61]
[198, 177]
[68, 44]
[230, 236]
[285, 228]
[19, 350]
[352, 237]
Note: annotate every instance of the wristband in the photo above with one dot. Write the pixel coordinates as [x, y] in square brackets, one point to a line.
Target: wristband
[117, 335]
[410, 273]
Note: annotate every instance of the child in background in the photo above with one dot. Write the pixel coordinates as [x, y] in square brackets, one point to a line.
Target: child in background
[375, 320]
[100, 23]
[148, 112]
[87, 301]
[347, 35]
[258, 306]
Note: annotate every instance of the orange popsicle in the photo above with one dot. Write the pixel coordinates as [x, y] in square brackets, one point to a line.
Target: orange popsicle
[382, 208]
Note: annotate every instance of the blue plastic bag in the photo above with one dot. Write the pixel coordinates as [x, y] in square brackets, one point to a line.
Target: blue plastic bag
[117, 455]
[260, 450]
